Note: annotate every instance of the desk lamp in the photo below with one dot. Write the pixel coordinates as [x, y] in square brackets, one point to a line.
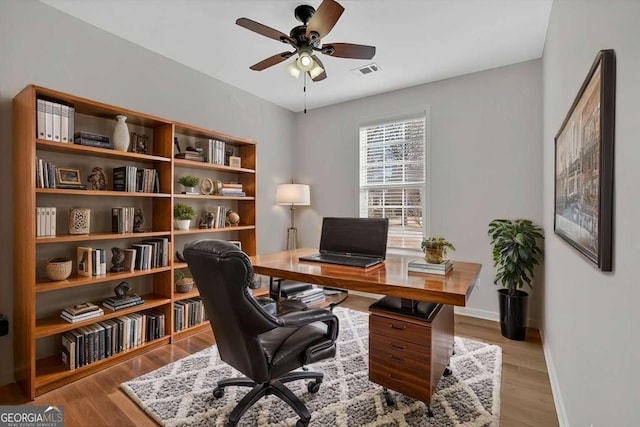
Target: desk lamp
[293, 195]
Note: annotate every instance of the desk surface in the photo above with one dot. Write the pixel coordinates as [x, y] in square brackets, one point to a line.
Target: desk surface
[392, 278]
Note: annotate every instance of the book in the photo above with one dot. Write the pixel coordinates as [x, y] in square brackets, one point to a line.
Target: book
[116, 301]
[48, 120]
[91, 136]
[93, 143]
[79, 309]
[64, 124]
[57, 118]
[419, 265]
[129, 262]
[74, 319]
[40, 108]
[69, 350]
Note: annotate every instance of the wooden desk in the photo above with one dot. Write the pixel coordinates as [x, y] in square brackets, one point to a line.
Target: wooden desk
[391, 278]
[426, 346]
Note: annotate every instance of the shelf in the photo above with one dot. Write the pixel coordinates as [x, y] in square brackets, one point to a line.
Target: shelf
[99, 236]
[102, 193]
[46, 285]
[55, 325]
[179, 296]
[213, 230]
[202, 165]
[52, 373]
[208, 197]
[179, 264]
[192, 330]
[81, 150]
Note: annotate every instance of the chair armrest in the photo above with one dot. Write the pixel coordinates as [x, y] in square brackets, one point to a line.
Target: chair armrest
[301, 318]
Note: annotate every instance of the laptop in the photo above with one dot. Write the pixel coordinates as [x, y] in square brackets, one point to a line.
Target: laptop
[354, 242]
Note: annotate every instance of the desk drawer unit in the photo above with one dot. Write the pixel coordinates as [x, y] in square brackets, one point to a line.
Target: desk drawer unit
[409, 355]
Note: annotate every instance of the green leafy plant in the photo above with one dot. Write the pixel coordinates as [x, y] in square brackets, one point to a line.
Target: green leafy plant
[516, 251]
[182, 212]
[435, 248]
[189, 180]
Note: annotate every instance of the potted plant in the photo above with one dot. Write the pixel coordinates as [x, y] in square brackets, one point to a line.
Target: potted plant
[183, 215]
[516, 252]
[189, 183]
[435, 249]
[182, 283]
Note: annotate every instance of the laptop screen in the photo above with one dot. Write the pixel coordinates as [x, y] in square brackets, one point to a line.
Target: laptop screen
[356, 236]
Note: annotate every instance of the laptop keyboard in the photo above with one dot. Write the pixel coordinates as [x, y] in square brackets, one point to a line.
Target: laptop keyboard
[353, 261]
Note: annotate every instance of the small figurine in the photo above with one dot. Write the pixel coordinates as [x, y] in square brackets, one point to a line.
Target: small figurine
[117, 258]
[122, 289]
[97, 179]
[138, 219]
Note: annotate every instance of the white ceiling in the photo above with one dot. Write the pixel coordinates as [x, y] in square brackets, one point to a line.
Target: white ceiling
[417, 41]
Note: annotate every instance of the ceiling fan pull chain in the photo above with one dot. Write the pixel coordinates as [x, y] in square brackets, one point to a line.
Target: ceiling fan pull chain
[305, 93]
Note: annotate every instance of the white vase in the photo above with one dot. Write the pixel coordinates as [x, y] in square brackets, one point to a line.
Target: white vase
[121, 136]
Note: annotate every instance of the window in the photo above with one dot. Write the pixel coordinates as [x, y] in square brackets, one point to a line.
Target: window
[392, 178]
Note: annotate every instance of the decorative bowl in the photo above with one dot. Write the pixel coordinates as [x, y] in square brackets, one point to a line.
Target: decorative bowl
[58, 268]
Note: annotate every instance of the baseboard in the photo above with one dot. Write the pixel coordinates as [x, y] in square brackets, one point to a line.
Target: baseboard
[561, 412]
[480, 314]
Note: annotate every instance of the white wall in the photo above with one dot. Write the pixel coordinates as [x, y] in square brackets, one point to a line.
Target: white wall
[42, 45]
[591, 318]
[485, 159]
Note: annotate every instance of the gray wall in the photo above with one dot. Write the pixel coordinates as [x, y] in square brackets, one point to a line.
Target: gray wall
[42, 45]
[591, 318]
[485, 160]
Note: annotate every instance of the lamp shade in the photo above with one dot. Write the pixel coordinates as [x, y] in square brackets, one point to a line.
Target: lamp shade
[293, 194]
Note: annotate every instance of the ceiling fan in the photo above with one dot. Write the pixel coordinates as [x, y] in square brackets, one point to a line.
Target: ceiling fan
[306, 40]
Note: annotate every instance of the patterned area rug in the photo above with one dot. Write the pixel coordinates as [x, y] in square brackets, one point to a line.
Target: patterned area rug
[180, 394]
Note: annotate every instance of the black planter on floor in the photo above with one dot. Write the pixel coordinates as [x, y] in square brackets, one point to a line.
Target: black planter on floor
[513, 314]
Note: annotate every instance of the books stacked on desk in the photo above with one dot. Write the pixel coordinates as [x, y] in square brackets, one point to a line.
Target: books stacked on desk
[420, 265]
[116, 303]
[309, 295]
[80, 312]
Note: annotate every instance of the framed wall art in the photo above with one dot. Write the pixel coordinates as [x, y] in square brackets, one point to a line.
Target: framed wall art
[583, 214]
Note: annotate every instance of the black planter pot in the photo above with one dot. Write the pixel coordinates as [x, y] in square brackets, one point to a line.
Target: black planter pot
[513, 314]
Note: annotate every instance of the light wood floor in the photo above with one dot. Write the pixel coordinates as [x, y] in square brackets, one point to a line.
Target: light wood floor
[97, 400]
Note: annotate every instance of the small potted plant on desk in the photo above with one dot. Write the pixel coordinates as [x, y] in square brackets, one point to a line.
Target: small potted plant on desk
[189, 183]
[183, 215]
[435, 249]
[515, 254]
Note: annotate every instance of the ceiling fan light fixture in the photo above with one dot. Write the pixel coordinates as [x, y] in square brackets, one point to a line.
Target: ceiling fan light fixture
[293, 70]
[305, 62]
[316, 70]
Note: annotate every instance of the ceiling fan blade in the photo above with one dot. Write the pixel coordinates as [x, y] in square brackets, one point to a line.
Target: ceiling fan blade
[324, 19]
[348, 50]
[271, 61]
[261, 29]
[323, 74]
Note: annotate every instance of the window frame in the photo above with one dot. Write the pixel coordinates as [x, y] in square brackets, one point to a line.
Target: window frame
[388, 119]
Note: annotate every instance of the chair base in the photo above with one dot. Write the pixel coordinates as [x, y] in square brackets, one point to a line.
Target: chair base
[277, 388]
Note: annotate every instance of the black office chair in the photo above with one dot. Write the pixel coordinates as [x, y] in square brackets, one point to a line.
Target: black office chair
[261, 346]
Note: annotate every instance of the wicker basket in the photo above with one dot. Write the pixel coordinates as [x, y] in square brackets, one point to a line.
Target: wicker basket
[58, 268]
[184, 285]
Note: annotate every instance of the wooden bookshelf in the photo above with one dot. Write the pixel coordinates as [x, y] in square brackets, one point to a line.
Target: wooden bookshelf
[34, 323]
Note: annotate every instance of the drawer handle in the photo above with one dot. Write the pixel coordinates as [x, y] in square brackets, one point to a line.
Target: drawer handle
[394, 378]
[398, 328]
[397, 347]
[399, 359]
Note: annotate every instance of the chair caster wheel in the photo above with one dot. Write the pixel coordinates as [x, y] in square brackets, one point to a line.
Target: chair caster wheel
[389, 400]
[429, 412]
[302, 423]
[218, 392]
[447, 371]
[313, 387]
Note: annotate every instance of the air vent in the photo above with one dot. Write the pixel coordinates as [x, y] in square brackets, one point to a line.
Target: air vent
[367, 69]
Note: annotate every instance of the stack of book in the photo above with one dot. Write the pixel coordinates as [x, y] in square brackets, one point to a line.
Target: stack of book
[45, 221]
[420, 265]
[92, 140]
[80, 312]
[212, 151]
[308, 296]
[232, 189]
[196, 156]
[116, 303]
[132, 179]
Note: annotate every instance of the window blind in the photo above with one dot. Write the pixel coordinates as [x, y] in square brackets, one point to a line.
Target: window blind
[392, 178]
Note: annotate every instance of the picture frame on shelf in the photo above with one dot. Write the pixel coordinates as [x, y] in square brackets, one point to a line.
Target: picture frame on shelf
[235, 162]
[139, 143]
[68, 176]
[583, 208]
